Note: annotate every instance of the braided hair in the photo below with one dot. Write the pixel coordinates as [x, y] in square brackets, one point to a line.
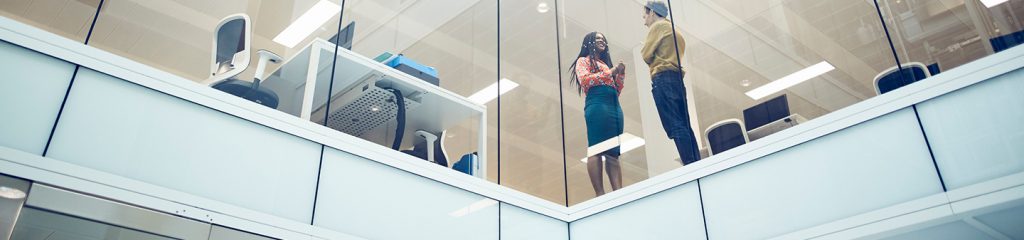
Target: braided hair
[590, 51]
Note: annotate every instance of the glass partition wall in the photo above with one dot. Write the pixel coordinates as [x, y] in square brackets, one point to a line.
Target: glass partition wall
[608, 133]
[178, 37]
[531, 129]
[498, 78]
[443, 54]
[936, 36]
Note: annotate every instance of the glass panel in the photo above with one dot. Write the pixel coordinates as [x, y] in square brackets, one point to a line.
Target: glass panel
[112, 125]
[67, 18]
[671, 214]
[375, 201]
[973, 133]
[518, 223]
[878, 163]
[227, 45]
[754, 68]
[935, 36]
[40, 224]
[37, 83]
[612, 129]
[438, 56]
[531, 126]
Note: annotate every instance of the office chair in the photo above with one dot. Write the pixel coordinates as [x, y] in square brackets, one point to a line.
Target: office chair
[231, 46]
[431, 149]
[892, 78]
[468, 164]
[1007, 41]
[725, 135]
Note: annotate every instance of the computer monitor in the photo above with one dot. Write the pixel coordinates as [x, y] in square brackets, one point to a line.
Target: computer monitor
[344, 37]
[766, 112]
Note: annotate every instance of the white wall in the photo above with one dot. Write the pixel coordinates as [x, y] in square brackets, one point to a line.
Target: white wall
[875, 164]
[976, 133]
[31, 91]
[375, 201]
[672, 214]
[518, 223]
[128, 130]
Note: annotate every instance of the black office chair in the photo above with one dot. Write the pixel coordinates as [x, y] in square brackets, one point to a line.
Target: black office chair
[726, 135]
[231, 56]
[893, 78]
[1007, 41]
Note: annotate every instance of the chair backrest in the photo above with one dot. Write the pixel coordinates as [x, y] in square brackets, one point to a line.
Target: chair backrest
[725, 135]
[893, 78]
[419, 149]
[231, 48]
[467, 164]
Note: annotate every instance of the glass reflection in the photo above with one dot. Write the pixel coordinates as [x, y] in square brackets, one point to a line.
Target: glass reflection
[593, 74]
[40, 224]
[689, 79]
[663, 48]
[606, 106]
[531, 144]
[178, 37]
[932, 37]
[755, 68]
[441, 59]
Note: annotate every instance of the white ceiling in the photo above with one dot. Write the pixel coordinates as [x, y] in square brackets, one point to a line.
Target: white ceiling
[728, 41]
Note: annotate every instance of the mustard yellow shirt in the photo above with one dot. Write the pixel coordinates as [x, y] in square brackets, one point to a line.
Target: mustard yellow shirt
[659, 50]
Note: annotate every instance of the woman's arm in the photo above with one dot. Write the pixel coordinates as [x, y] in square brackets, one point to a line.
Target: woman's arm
[620, 80]
[583, 73]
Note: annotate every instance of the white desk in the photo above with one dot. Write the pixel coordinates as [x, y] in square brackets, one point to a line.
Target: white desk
[302, 84]
[775, 126]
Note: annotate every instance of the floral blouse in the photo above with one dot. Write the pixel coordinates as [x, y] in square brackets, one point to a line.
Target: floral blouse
[603, 75]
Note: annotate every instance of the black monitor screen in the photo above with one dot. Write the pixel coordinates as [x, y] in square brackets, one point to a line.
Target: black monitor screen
[344, 38]
[766, 112]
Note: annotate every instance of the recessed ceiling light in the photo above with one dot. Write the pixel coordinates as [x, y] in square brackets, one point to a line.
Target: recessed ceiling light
[491, 92]
[791, 80]
[306, 24]
[745, 83]
[11, 193]
[992, 3]
[628, 143]
[542, 7]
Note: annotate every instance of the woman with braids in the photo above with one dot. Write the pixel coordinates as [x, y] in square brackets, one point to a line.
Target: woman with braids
[591, 75]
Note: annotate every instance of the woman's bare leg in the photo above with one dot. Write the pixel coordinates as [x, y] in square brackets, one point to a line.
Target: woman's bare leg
[594, 169]
[614, 172]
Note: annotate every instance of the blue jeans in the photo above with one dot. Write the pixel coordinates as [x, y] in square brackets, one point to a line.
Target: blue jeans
[670, 99]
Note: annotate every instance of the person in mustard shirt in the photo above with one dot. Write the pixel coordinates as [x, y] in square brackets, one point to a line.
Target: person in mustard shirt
[663, 52]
